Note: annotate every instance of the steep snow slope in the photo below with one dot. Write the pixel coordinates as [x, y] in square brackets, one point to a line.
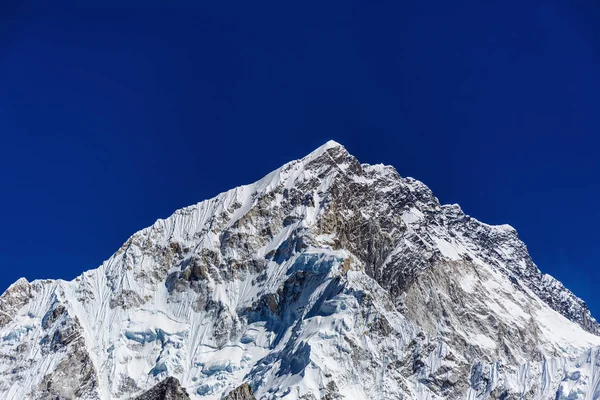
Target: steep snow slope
[325, 279]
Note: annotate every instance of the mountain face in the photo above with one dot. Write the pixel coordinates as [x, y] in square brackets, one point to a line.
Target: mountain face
[326, 279]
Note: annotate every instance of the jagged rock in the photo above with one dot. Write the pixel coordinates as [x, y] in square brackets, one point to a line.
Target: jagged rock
[242, 392]
[169, 389]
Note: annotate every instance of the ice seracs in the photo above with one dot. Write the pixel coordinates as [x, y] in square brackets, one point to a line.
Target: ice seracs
[326, 279]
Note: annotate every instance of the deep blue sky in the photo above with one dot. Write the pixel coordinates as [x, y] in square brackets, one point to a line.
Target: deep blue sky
[111, 118]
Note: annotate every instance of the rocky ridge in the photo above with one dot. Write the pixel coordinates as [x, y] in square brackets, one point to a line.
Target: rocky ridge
[169, 389]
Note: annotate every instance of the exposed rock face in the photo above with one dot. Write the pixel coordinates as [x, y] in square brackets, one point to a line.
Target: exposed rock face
[169, 389]
[326, 279]
[15, 297]
[242, 392]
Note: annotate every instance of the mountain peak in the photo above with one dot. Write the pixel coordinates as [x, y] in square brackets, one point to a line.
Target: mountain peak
[330, 144]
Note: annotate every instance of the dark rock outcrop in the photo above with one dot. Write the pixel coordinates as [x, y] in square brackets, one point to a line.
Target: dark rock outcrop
[242, 392]
[169, 389]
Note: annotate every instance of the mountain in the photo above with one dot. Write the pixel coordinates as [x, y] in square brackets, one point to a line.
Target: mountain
[326, 279]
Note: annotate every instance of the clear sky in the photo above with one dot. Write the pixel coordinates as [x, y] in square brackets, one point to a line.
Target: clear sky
[111, 118]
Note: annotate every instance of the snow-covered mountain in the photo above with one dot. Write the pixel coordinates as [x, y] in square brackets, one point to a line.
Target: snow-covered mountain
[326, 279]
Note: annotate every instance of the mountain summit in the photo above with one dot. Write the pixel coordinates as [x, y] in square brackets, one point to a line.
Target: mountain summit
[326, 279]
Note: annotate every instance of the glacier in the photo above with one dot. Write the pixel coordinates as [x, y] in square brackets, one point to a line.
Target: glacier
[326, 279]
